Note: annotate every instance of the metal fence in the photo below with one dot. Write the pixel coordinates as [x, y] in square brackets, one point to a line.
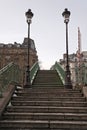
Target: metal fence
[10, 74]
[33, 71]
[60, 71]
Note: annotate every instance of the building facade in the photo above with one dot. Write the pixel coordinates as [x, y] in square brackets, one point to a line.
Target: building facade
[78, 68]
[17, 53]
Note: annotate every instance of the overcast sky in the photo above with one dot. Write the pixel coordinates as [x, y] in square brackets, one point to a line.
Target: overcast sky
[47, 28]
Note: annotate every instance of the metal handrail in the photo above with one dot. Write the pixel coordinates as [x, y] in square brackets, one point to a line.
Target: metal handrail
[10, 74]
[60, 71]
[33, 71]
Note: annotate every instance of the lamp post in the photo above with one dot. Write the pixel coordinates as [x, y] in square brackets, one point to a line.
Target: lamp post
[29, 16]
[68, 84]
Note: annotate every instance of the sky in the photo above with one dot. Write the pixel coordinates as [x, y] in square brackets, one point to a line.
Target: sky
[47, 28]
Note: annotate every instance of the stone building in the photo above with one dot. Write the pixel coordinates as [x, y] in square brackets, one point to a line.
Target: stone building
[78, 71]
[17, 53]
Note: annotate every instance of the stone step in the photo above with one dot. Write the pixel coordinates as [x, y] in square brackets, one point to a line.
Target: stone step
[23, 124]
[21, 98]
[43, 88]
[40, 125]
[48, 81]
[47, 90]
[48, 77]
[57, 94]
[46, 74]
[46, 109]
[49, 103]
[46, 71]
[50, 92]
[45, 77]
[47, 86]
[45, 116]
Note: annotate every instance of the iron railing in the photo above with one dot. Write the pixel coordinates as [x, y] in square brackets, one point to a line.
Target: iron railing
[33, 71]
[10, 74]
[60, 71]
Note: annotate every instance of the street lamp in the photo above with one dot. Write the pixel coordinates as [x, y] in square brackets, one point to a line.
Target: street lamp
[29, 16]
[68, 84]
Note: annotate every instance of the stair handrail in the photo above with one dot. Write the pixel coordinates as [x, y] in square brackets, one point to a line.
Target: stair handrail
[33, 71]
[5, 67]
[10, 74]
[59, 70]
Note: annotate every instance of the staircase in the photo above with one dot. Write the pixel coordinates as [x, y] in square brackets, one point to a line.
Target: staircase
[45, 106]
[47, 78]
